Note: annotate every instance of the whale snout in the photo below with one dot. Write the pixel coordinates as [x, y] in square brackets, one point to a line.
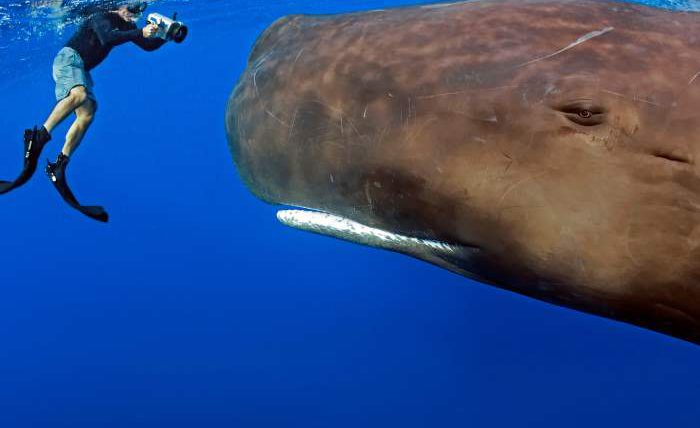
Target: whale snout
[556, 161]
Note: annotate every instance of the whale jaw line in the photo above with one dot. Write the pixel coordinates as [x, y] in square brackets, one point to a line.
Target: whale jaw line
[448, 255]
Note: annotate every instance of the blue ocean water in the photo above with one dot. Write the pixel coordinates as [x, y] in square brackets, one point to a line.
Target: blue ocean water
[193, 307]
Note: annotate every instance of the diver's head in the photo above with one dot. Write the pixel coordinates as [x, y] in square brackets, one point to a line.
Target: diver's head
[132, 10]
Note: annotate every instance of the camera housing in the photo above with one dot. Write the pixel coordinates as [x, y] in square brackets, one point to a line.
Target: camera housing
[168, 29]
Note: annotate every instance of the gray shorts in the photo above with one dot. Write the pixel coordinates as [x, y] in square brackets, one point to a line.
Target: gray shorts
[69, 72]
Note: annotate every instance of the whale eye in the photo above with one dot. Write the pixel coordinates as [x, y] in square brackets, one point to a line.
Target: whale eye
[583, 113]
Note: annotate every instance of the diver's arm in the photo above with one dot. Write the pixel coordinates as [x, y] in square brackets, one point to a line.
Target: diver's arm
[148, 44]
[111, 36]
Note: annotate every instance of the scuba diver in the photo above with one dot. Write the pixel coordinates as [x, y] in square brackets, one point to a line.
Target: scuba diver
[88, 47]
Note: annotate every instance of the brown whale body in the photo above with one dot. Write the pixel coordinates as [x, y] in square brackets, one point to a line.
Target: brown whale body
[561, 139]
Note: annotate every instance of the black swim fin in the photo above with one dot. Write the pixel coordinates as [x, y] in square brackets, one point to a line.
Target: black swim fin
[57, 175]
[34, 142]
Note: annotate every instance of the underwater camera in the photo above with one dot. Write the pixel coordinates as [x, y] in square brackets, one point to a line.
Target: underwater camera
[168, 29]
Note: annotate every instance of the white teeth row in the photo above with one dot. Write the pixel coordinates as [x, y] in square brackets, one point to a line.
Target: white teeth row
[343, 228]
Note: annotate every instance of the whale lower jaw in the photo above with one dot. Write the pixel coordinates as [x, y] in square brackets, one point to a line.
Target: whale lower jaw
[450, 256]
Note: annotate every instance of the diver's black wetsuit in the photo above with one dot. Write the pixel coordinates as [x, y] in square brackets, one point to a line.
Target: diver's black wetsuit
[101, 32]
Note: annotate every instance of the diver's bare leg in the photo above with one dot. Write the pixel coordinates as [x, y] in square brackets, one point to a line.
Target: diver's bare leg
[84, 117]
[56, 171]
[76, 97]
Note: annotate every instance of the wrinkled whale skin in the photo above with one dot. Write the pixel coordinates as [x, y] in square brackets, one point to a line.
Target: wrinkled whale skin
[560, 138]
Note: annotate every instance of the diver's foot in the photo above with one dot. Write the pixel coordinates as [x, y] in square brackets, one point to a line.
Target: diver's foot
[34, 141]
[57, 170]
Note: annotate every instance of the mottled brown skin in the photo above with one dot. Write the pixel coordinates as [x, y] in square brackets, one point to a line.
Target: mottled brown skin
[575, 172]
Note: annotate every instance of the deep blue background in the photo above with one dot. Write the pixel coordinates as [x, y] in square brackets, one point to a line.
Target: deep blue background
[195, 308]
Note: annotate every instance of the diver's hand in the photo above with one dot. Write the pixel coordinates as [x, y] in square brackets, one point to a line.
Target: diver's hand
[149, 31]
